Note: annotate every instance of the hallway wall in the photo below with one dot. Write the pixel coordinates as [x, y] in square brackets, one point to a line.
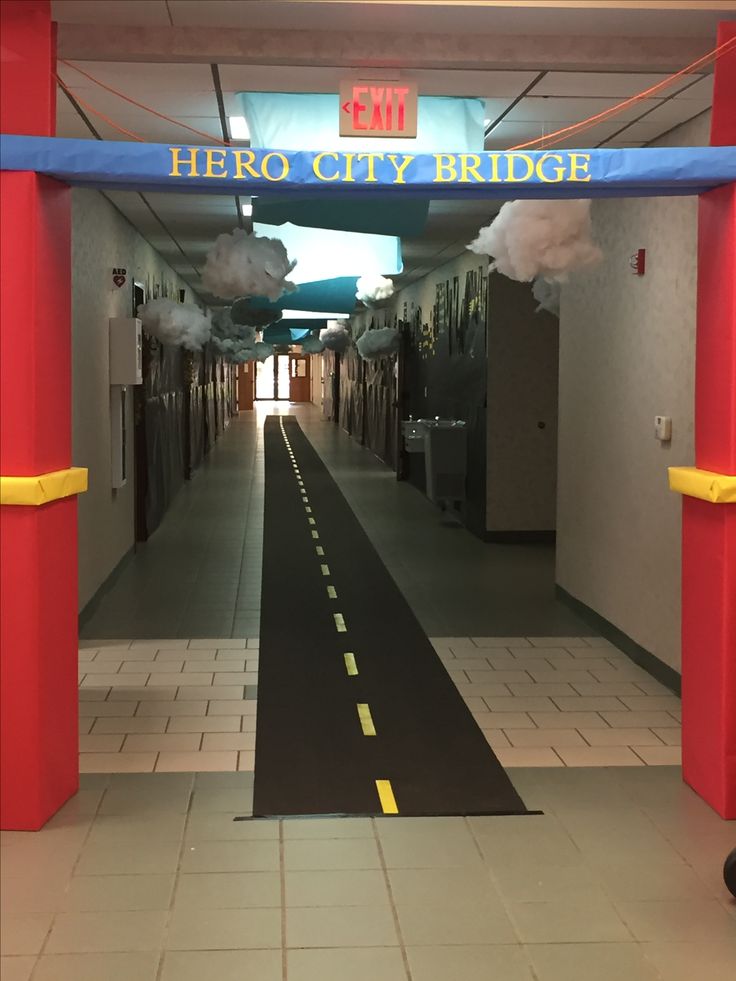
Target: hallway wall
[627, 353]
[102, 240]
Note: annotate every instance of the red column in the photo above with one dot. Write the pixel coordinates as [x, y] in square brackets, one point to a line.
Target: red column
[709, 530]
[38, 546]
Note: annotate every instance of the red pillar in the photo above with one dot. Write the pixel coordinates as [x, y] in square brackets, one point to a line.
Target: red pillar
[38, 546]
[709, 530]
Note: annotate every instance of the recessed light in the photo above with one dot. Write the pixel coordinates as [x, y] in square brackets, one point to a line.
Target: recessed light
[238, 128]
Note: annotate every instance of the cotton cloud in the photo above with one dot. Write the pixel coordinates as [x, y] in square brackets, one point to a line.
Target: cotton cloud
[372, 289]
[539, 238]
[182, 324]
[378, 343]
[335, 337]
[312, 345]
[547, 295]
[242, 264]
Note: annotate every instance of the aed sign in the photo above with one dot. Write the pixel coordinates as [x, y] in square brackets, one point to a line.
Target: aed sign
[373, 108]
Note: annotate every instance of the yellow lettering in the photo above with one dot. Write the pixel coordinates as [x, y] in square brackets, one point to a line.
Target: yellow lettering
[371, 158]
[582, 166]
[176, 161]
[317, 166]
[446, 168]
[467, 167]
[348, 177]
[558, 172]
[494, 178]
[265, 164]
[400, 168]
[244, 162]
[212, 162]
[511, 176]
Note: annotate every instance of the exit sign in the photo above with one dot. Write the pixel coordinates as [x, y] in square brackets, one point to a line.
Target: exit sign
[374, 108]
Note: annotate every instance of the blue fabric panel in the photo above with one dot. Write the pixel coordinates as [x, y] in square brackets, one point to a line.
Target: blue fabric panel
[116, 165]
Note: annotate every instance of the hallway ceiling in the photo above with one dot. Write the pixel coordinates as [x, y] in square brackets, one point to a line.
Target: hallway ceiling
[520, 104]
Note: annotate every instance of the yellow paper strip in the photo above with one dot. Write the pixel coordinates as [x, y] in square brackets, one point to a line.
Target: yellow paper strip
[340, 623]
[315, 534]
[386, 796]
[350, 664]
[44, 487]
[717, 488]
[320, 550]
[331, 592]
[366, 720]
[325, 569]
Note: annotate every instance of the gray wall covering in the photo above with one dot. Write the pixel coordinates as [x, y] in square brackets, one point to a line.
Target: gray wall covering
[103, 239]
[521, 484]
[627, 352]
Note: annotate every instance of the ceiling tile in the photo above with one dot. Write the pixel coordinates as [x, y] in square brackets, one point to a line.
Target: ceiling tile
[144, 13]
[555, 109]
[612, 85]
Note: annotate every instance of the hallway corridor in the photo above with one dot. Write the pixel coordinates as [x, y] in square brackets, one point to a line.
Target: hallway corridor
[200, 573]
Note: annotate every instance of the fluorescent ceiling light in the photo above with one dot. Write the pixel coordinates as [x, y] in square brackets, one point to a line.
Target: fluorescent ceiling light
[311, 315]
[238, 128]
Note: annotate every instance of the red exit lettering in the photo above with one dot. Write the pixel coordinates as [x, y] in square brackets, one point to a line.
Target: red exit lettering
[378, 110]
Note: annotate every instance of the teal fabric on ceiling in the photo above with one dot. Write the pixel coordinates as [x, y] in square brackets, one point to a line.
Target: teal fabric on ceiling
[379, 216]
[329, 295]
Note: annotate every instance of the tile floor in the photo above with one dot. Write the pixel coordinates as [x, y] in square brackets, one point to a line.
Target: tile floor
[147, 876]
[190, 705]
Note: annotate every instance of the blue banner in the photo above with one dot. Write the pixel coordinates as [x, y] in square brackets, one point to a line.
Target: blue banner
[118, 165]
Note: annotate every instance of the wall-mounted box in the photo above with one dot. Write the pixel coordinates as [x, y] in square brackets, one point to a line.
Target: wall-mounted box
[126, 351]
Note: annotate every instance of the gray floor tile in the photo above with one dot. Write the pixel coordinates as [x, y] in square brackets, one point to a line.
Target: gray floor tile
[222, 965]
[470, 963]
[228, 890]
[231, 856]
[571, 920]
[24, 933]
[336, 888]
[602, 961]
[339, 964]
[16, 968]
[132, 966]
[427, 926]
[224, 929]
[89, 893]
[340, 926]
[82, 933]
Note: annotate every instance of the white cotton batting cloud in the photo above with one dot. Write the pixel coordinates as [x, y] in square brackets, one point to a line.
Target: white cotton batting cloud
[234, 341]
[182, 324]
[263, 350]
[547, 295]
[378, 343]
[527, 239]
[372, 289]
[241, 265]
[335, 337]
[312, 345]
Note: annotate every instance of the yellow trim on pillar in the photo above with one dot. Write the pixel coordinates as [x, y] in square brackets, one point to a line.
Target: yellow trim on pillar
[718, 488]
[44, 487]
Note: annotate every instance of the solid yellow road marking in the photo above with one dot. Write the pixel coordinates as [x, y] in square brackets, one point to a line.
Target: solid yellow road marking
[331, 592]
[366, 720]
[325, 569]
[340, 623]
[320, 550]
[350, 666]
[386, 797]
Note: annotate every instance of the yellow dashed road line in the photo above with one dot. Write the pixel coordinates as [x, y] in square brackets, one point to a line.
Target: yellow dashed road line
[350, 664]
[386, 797]
[331, 592]
[325, 569]
[366, 719]
[340, 624]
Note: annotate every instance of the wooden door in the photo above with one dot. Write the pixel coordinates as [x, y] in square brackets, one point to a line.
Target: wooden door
[300, 385]
[246, 385]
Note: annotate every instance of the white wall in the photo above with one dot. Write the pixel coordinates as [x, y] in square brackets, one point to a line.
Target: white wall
[103, 239]
[627, 353]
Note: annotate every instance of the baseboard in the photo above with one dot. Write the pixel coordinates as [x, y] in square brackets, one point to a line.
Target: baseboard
[660, 671]
[91, 606]
[542, 537]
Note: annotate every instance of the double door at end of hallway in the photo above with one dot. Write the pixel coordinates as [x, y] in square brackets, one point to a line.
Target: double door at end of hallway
[284, 377]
